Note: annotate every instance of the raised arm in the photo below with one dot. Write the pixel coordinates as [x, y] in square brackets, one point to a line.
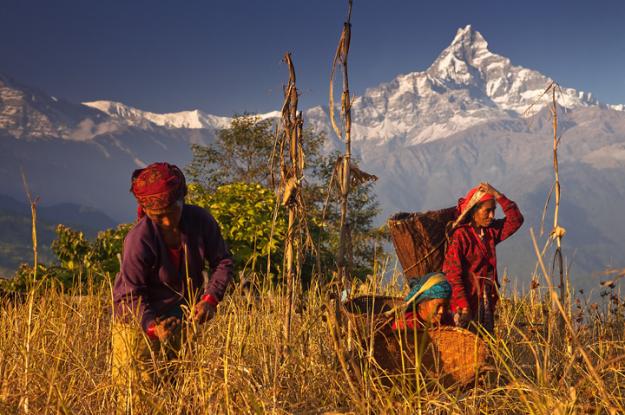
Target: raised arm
[511, 223]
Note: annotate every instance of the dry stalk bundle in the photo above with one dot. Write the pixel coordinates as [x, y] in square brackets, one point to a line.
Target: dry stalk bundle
[357, 177]
[291, 157]
[25, 402]
[340, 57]
[557, 232]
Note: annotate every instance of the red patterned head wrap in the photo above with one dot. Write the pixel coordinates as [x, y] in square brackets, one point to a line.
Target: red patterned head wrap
[157, 186]
[463, 202]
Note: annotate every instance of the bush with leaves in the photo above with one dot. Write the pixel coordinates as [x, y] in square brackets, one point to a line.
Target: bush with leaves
[77, 258]
[245, 214]
[77, 254]
[107, 248]
[72, 249]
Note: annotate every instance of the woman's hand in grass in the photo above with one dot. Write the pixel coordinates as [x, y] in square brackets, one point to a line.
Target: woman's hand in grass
[204, 311]
[165, 328]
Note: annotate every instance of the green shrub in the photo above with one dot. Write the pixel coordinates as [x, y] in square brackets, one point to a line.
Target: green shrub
[77, 258]
[245, 214]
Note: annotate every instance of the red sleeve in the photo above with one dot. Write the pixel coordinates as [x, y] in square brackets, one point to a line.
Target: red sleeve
[504, 228]
[452, 267]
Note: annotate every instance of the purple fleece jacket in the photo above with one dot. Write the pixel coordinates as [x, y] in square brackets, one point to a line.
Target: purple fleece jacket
[149, 284]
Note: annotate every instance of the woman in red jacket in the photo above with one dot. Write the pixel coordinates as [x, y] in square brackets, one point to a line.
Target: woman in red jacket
[471, 259]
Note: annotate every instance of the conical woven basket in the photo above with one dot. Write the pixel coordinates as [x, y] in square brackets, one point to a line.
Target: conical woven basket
[450, 355]
[419, 239]
[456, 354]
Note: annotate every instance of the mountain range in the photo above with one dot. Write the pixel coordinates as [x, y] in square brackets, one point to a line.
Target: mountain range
[429, 136]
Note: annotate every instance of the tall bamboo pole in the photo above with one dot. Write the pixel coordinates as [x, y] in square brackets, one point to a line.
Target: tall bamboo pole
[558, 232]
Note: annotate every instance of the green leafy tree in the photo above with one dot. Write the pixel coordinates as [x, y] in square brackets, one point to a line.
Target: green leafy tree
[107, 248]
[245, 214]
[243, 153]
[239, 154]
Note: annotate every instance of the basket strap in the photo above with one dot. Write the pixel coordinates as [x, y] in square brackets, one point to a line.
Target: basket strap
[438, 245]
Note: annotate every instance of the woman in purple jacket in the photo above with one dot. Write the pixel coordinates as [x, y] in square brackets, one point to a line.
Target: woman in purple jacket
[161, 273]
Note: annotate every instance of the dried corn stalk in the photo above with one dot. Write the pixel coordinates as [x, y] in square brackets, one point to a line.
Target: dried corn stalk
[291, 156]
[340, 57]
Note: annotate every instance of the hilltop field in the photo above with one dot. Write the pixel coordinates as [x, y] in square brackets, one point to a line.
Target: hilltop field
[55, 358]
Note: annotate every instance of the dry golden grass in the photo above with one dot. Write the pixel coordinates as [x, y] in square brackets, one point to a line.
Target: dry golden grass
[237, 363]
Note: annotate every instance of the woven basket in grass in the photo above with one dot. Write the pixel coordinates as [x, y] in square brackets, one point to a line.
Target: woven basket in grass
[450, 355]
[370, 313]
[420, 240]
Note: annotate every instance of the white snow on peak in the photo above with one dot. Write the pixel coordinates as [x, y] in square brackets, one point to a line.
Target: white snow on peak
[466, 85]
[194, 119]
[270, 115]
[184, 119]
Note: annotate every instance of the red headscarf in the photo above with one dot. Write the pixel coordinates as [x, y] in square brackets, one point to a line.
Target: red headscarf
[463, 202]
[157, 186]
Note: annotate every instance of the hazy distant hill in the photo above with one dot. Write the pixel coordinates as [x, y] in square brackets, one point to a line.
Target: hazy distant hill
[15, 229]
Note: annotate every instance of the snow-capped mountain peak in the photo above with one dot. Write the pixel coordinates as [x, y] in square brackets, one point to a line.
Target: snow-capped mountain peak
[466, 85]
[468, 48]
[193, 119]
[184, 119]
[467, 61]
[468, 38]
[28, 112]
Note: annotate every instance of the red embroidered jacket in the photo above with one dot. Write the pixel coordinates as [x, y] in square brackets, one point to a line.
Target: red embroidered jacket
[471, 262]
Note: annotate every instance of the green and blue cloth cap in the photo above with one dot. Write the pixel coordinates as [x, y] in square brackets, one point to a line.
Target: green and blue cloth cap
[429, 287]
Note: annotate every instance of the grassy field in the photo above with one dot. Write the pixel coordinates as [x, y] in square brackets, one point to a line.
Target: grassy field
[55, 358]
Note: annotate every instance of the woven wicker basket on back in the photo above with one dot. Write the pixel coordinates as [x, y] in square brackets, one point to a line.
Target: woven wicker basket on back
[450, 355]
[420, 240]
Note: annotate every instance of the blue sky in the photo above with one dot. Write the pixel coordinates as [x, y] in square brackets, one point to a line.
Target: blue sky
[224, 57]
